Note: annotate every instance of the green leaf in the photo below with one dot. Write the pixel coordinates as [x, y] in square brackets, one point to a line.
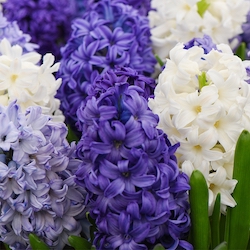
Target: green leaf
[238, 218]
[36, 243]
[221, 246]
[90, 219]
[202, 80]
[241, 51]
[202, 6]
[71, 136]
[215, 222]
[158, 59]
[159, 247]
[222, 227]
[92, 228]
[79, 243]
[6, 246]
[198, 197]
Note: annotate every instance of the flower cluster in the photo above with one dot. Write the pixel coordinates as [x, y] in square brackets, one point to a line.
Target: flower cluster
[38, 192]
[109, 34]
[136, 193]
[12, 32]
[24, 79]
[202, 100]
[145, 85]
[221, 20]
[47, 21]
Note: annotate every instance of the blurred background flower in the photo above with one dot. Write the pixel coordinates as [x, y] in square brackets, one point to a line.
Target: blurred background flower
[12, 32]
[47, 21]
[143, 6]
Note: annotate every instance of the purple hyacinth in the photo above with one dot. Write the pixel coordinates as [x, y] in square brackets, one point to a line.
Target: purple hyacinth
[12, 32]
[205, 42]
[136, 193]
[144, 85]
[81, 6]
[143, 6]
[109, 35]
[46, 21]
[38, 192]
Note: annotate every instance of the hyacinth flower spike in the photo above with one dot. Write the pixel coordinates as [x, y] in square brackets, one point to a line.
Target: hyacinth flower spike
[201, 98]
[37, 180]
[130, 171]
[109, 34]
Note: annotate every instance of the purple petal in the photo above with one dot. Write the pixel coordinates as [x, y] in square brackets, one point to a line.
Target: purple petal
[143, 181]
[114, 188]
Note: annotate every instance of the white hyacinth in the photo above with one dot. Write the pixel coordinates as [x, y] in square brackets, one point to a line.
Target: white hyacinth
[180, 21]
[202, 101]
[22, 78]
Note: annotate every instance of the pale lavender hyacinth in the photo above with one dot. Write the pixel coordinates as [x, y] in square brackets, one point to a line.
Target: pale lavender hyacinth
[38, 193]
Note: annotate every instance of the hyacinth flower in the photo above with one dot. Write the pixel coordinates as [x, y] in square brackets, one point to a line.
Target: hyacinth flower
[120, 74]
[12, 32]
[47, 21]
[136, 194]
[25, 79]
[202, 101]
[109, 34]
[38, 191]
[221, 20]
[143, 6]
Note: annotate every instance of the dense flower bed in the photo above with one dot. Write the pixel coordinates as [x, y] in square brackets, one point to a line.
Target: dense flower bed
[124, 124]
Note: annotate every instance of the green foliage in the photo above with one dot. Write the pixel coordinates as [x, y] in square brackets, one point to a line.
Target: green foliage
[230, 231]
[221, 246]
[158, 59]
[159, 247]
[36, 243]
[6, 246]
[79, 243]
[241, 51]
[238, 218]
[202, 80]
[215, 223]
[198, 197]
[71, 135]
[202, 6]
